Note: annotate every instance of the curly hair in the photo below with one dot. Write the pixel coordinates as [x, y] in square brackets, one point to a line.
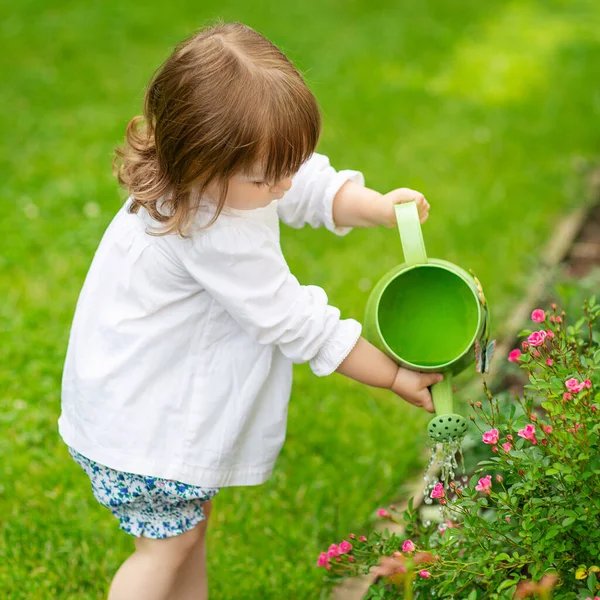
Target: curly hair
[226, 100]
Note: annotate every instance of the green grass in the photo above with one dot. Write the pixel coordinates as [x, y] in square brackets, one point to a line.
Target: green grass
[486, 107]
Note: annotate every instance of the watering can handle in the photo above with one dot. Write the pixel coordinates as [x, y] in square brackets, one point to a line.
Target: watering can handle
[411, 235]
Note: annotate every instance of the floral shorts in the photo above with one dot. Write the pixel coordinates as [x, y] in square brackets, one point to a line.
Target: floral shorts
[146, 506]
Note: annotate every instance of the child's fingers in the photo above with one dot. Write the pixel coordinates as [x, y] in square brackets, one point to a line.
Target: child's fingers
[427, 402]
[428, 379]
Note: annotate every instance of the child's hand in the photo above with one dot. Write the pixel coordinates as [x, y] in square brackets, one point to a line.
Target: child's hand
[400, 196]
[412, 387]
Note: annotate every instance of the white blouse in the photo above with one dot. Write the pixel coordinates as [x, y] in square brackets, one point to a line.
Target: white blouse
[179, 363]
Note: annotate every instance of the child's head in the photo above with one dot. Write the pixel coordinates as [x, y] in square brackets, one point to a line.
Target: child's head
[227, 117]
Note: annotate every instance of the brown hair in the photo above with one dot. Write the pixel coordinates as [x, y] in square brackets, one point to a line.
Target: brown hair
[225, 100]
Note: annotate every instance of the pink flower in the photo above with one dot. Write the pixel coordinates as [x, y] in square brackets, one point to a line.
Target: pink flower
[528, 433]
[333, 550]
[383, 513]
[538, 315]
[323, 559]
[362, 538]
[552, 319]
[573, 385]
[438, 491]
[408, 546]
[345, 547]
[352, 536]
[588, 384]
[351, 558]
[484, 484]
[567, 396]
[494, 448]
[491, 437]
[507, 519]
[537, 338]
[550, 334]
[507, 447]
[509, 437]
[524, 345]
[425, 574]
[536, 353]
[514, 355]
[338, 559]
[558, 320]
[499, 478]
[549, 362]
[547, 429]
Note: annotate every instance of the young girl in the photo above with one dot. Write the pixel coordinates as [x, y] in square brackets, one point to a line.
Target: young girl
[179, 366]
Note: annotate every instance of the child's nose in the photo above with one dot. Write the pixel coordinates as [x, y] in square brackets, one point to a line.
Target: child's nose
[283, 185]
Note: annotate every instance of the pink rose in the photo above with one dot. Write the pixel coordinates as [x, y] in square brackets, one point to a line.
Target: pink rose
[333, 550]
[490, 437]
[362, 538]
[549, 362]
[345, 547]
[567, 396]
[499, 478]
[538, 315]
[550, 334]
[484, 484]
[323, 559]
[438, 491]
[514, 355]
[537, 338]
[573, 385]
[506, 447]
[547, 429]
[588, 384]
[528, 433]
[408, 546]
[383, 513]
[425, 574]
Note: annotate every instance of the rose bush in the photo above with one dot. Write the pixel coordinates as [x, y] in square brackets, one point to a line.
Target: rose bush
[527, 523]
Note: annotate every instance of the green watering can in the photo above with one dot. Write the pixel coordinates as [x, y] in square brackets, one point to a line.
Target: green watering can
[430, 315]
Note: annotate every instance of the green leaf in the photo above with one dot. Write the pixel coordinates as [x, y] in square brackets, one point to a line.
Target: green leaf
[591, 582]
[502, 556]
[506, 584]
[566, 522]
[472, 595]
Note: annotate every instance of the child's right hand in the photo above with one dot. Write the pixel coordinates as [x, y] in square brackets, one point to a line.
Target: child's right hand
[413, 387]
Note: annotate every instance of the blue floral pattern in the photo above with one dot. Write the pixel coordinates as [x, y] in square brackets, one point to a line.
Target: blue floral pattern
[146, 506]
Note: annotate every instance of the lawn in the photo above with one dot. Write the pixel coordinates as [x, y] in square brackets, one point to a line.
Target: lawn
[488, 108]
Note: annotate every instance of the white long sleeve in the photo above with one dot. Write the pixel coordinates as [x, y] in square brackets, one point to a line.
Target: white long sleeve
[310, 199]
[242, 267]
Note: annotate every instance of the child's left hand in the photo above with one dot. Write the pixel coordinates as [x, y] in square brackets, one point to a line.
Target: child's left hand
[400, 196]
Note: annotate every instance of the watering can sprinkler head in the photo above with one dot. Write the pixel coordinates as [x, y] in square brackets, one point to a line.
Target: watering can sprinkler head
[447, 425]
[445, 428]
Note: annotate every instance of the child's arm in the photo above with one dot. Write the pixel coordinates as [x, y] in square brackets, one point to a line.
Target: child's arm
[358, 206]
[370, 366]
